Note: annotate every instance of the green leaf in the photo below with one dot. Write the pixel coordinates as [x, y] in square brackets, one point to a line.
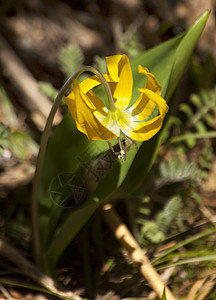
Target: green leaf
[193, 136]
[164, 295]
[8, 109]
[209, 119]
[183, 243]
[4, 131]
[4, 136]
[169, 80]
[185, 50]
[200, 127]
[68, 152]
[67, 232]
[68, 147]
[195, 99]
[186, 109]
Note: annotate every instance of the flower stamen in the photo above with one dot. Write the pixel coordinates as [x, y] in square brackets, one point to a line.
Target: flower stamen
[124, 147]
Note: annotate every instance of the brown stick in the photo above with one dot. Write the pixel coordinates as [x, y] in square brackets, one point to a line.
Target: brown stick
[124, 236]
[33, 272]
[37, 103]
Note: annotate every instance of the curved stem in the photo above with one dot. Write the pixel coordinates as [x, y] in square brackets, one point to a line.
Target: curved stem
[42, 150]
[106, 85]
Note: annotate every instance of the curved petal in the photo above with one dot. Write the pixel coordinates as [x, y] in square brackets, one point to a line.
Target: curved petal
[157, 99]
[71, 103]
[152, 83]
[112, 63]
[93, 81]
[92, 102]
[142, 108]
[118, 67]
[144, 130]
[83, 115]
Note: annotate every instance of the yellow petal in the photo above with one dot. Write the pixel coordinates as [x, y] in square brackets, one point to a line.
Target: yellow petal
[118, 67]
[157, 99]
[88, 84]
[142, 131]
[142, 108]
[93, 81]
[95, 103]
[145, 131]
[152, 83]
[83, 115]
[71, 103]
[112, 63]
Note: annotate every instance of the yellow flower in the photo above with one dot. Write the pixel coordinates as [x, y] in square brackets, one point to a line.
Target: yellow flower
[98, 122]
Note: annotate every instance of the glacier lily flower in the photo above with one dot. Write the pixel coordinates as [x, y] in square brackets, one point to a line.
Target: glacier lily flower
[98, 122]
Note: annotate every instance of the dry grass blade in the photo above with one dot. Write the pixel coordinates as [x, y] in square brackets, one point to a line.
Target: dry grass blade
[206, 288]
[195, 288]
[201, 288]
[5, 292]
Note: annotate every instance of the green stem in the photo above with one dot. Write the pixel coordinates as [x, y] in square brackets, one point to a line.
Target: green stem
[42, 150]
[197, 135]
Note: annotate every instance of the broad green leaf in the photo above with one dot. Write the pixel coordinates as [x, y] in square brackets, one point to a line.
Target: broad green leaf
[185, 50]
[167, 62]
[67, 233]
[147, 152]
[67, 151]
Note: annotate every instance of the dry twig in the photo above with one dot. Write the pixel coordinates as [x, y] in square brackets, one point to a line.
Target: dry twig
[38, 104]
[124, 236]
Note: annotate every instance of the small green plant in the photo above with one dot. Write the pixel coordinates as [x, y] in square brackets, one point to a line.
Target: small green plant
[171, 183]
[18, 142]
[197, 119]
[48, 89]
[70, 59]
[180, 178]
